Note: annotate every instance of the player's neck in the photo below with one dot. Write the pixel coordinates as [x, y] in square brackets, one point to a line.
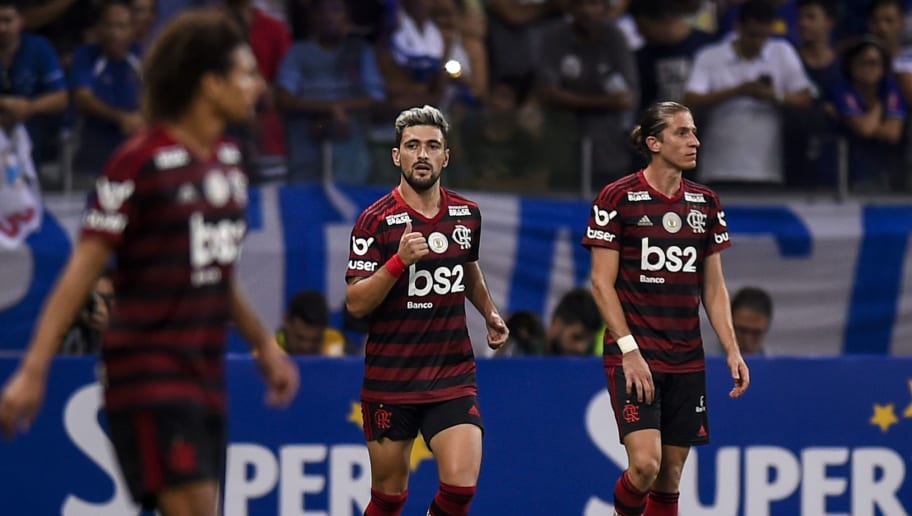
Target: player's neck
[665, 180]
[426, 203]
[199, 131]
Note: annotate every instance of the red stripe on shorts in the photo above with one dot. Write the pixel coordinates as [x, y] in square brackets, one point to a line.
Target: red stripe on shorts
[153, 477]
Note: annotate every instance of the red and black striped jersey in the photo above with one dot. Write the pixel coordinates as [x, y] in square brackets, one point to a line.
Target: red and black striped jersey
[662, 244]
[175, 221]
[418, 347]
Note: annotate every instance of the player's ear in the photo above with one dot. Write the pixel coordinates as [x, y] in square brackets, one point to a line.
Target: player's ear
[653, 143]
[446, 157]
[396, 156]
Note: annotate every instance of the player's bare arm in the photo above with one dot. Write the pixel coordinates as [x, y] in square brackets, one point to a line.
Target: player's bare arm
[362, 295]
[477, 292]
[279, 372]
[24, 392]
[718, 309]
[605, 264]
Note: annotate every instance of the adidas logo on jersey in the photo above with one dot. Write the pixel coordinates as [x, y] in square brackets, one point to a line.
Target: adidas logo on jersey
[644, 221]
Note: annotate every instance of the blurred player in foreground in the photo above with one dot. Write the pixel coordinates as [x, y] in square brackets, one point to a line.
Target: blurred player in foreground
[656, 240]
[412, 265]
[170, 206]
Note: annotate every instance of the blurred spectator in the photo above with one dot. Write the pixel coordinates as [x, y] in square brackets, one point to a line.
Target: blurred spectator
[810, 147]
[619, 12]
[500, 153]
[64, 23]
[872, 111]
[515, 30]
[670, 44]
[587, 71]
[264, 140]
[145, 12]
[31, 84]
[527, 335]
[106, 83]
[21, 207]
[305, 329]
[752, 314]
[574, 323]
[466, 62]
[739, 87]
[84, 336]
[412, 63]
[785, 20]
[326, 87]
[373, 20]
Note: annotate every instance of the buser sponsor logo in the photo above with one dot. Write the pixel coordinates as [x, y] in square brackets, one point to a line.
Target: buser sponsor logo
[109, 222]
[603, 217]
[598, 234]
[361, 245]
[721, 238]
[442, 280]
[362, 265]
[673, 259]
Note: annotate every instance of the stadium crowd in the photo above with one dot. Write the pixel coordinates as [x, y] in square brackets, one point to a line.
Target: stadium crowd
[790, 95]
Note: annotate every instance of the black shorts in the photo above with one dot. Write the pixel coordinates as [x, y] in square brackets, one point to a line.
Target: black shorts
[679, 411]
[402, 422]
[166, 447]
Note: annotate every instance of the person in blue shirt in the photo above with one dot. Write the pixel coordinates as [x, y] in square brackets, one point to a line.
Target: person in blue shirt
[326, 88]
[871, 111]
[106, 84]
[31, 83]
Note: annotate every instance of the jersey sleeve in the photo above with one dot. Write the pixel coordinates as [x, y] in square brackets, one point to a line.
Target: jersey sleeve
[604, 228]
[365, 253]
[113, 205]
[717, 229]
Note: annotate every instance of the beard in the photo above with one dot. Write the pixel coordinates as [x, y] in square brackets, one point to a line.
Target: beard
[421, 185]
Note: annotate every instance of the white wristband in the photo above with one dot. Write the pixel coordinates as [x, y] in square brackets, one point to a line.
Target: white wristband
[627, 344]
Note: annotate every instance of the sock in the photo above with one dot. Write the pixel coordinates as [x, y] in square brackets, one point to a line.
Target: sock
[661, 504]
[451, 501]
[383, 504]
[628, 500]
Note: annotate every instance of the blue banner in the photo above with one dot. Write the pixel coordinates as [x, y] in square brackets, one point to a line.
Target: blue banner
[811, 437]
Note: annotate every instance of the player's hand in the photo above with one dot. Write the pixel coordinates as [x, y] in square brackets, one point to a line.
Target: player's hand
[639, 377]
[412, 246]
[498, 333]
[740, 375]
[20, 401]
[281, 376]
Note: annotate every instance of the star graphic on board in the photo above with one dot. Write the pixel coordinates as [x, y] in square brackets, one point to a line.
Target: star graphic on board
[884, 417]
[420, 451]
[908, 411]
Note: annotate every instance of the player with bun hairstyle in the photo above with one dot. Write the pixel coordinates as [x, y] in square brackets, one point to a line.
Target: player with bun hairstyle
[656, 241]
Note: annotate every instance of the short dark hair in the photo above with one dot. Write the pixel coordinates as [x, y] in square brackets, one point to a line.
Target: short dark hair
[310, 307]
[657, 9]
[859, 45]
[761, 11]
[578, 306]
[829, 7]
[527, 331]
[877, 4]
[196, 43]
[753, 298]
[424, 115]
[654, 120]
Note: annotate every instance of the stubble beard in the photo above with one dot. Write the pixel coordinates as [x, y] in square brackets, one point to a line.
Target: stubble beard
[420, 185]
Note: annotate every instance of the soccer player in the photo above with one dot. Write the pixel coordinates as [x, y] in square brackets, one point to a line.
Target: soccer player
[656, 239]
[413, 263]
[171, 207]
